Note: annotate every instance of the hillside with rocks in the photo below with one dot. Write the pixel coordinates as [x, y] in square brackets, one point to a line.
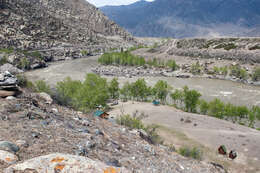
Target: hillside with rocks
[35, 32]
[37, 135]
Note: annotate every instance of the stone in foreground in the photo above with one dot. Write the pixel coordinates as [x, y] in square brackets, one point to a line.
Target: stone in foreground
[7, 157]
[64, 163]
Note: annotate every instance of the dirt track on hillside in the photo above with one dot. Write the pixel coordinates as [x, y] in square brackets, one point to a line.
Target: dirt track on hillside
[207, 131]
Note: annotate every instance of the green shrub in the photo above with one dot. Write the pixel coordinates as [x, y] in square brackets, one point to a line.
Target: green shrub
[113, 89]
[194, 152]
[84, 52]
[227, 47]
[131, 122]
[34, 54]
[25, 83]
[135, 122]
[154, 137]
[172, 64]
[196, 69]
[121, 58]
[139, 90]
[161, 90]
[178, 97]
[24, 63]
[42, 86]
[204, 106]
[238, 72]
[191, 99]
[216, 108]
[67, 90]
[125, 91]
[220, 70]
[256, 74]
[83, 96]
[7, 50]
[255, 47]
[3, 60]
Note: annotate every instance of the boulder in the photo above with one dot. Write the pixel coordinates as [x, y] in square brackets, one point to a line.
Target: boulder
[7, 79]
[7, 157]
[64, 163]
[4, 93]
[9, 146]
[9, 67]
[45, 97]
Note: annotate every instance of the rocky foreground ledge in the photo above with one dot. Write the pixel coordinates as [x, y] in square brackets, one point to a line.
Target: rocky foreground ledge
[39, 136]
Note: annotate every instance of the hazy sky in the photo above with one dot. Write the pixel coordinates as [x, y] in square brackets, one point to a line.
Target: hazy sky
[100, 3]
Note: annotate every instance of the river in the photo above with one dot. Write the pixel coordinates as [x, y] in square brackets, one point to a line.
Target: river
[227, 91]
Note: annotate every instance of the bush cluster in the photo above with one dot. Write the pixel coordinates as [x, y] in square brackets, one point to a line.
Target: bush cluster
[219, 109]
[256, 74]
[128, 59]
[135, 122]
[194, 152]
[238, 72]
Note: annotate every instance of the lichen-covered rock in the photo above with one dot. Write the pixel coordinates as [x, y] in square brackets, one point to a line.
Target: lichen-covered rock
[64, 163]
[7, 157]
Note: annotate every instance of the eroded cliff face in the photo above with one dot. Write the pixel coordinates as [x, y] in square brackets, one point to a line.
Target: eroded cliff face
[40, 24]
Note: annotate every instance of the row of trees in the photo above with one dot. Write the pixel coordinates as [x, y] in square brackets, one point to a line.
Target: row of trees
[95, 91]
[189, 101]
[128, 59]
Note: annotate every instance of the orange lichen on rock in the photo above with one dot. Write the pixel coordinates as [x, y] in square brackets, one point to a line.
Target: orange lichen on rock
[59, 167]
[111, 170]
[57, 159]
[8, 159]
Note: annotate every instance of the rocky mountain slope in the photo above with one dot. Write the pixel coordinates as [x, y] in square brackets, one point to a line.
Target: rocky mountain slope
[188, 18]
[37, 135]
[56, 30]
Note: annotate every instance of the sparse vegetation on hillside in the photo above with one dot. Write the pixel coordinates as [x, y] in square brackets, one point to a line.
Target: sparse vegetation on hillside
[194, 152]
[254, 47]
[42, 86]
[135, 122]
[227, 47]
[220, 70]
[238, 72]
[196, 69]
[256, 74]
[24, 82]
[6, 50]
[3, 60]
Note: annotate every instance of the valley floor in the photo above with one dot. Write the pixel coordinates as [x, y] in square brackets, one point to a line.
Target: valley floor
[180, 128]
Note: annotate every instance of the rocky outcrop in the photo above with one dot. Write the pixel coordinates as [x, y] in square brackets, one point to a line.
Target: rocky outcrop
[10, 68]
[8, 85]
[63, 163]
[241, 49]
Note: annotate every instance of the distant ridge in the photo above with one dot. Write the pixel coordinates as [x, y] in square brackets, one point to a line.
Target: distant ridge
[188, 18]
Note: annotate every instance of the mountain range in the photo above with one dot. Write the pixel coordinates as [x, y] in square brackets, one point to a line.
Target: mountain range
[188, 18]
